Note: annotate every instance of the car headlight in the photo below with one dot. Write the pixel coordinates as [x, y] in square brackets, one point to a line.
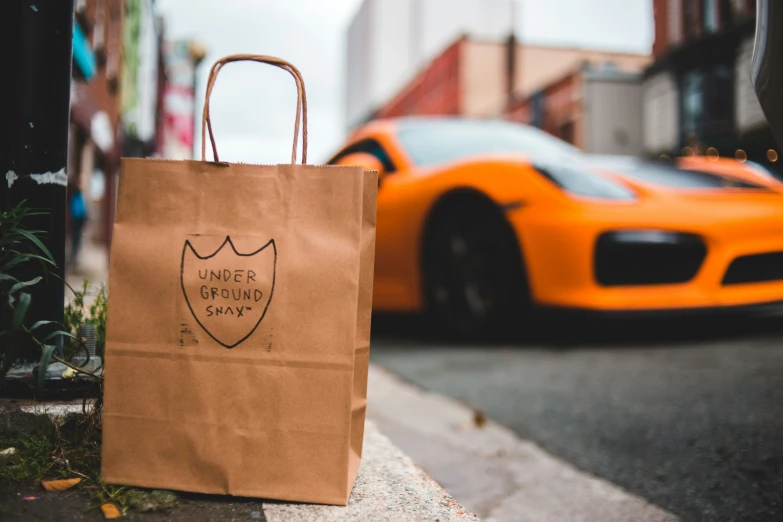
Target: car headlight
[581, 181]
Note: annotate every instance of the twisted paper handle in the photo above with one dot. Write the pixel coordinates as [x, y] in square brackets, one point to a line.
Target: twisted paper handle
[301, 102]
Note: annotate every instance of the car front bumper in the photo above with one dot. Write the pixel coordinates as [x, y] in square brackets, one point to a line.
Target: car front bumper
[560, 264]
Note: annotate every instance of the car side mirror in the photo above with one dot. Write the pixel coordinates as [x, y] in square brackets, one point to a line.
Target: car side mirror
[365, 160]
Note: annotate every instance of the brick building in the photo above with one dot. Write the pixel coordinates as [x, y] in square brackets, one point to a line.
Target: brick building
[437, 89]
[542, 86]
[115, 93]
[698, 92]
[390, 41]
[595, 107]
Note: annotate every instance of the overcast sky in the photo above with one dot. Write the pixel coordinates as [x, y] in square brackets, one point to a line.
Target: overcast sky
[253, 106]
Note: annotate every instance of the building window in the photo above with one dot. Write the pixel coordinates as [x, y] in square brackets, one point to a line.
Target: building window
[708, 105]
[722, 99]
[690, 18]
[725, 13]
[692, 103]
[710, 16]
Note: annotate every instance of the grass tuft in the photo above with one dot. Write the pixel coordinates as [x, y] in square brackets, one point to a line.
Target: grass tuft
[73, 449]
[29, 463]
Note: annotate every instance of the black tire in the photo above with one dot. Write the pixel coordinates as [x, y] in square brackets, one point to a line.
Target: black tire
[474, 277]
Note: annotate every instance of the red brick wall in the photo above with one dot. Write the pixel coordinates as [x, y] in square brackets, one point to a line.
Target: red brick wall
[434, 91]
[661, 15]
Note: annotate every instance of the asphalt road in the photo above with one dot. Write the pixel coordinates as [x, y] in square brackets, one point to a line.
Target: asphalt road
[686, 413]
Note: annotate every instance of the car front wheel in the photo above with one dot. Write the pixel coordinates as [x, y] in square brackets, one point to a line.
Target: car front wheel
[474, 274]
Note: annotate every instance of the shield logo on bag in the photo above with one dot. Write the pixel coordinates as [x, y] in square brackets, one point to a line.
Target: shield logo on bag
[228, 293]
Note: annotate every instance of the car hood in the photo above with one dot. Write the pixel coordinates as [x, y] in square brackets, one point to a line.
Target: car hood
[737, 204]
[687, 177]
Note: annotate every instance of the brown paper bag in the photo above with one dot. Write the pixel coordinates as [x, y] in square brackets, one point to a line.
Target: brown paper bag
[239, 324]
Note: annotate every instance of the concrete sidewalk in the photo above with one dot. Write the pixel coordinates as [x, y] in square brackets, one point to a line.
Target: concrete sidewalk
[388, 488]
[488, 468]
[494, 473]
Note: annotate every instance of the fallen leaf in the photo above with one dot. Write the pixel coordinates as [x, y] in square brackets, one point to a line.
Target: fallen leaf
[7, 452]
[479, 418]
[60, 485]
[110, 511]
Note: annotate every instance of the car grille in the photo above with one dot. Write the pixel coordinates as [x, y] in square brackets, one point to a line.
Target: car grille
[628, 263]
[756, 268]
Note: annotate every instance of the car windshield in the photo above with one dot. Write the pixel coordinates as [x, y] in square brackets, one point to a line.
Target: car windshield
[434, 142]
[669, 175]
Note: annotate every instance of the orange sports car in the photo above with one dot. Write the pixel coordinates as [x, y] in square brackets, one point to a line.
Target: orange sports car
[480, 220]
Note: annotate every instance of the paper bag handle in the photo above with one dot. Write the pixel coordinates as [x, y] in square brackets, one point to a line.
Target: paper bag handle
[301, 101]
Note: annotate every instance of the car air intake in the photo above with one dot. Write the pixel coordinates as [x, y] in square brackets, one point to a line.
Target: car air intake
[647, 257]
[756, 268]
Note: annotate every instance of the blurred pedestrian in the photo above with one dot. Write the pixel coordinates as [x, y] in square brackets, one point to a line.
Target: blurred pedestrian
[77, 209]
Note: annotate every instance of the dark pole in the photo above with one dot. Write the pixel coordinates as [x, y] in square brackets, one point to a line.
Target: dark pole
[511, 59]
[34, 123]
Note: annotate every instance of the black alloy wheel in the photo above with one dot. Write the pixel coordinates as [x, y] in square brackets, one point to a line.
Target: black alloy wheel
[475, 283]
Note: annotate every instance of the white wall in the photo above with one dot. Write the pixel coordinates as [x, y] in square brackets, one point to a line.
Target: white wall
[443, 21]
[660, 101]
[390, 53]
[379, 55]
[613, 115]
[357, 85]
